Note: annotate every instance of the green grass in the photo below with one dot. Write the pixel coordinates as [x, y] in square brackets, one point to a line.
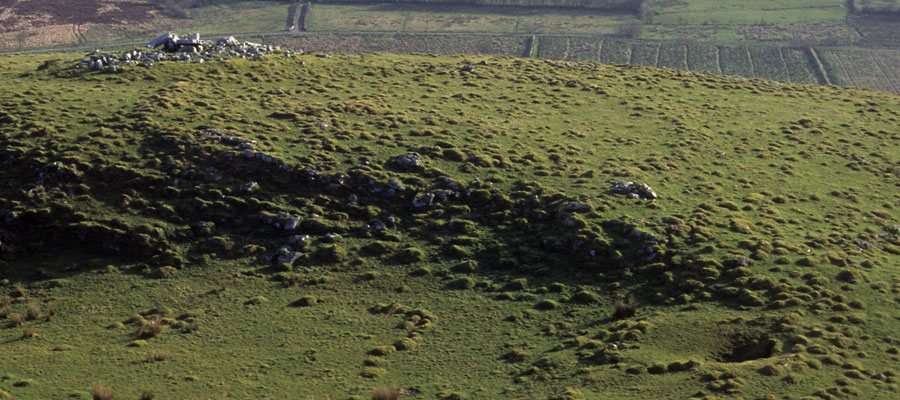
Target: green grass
[580, 4]
[233, 17]
[777, 203]
[443, 18]
[236, 17]
[877, 6]
[732, 12]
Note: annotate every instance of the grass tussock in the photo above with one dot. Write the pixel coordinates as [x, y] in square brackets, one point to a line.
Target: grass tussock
[156, 355]
[624, 307]
[28, 331]
[150, 328]
[386, 393]
[100, 391]
[32, 311]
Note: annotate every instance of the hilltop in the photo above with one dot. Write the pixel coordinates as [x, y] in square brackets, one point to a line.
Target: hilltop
[320, 226]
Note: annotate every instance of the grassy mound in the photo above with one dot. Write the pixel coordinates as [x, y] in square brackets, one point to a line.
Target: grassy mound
[453, 227]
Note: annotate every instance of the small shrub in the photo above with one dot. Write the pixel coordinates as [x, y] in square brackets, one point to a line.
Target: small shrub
[18, 291]
[32, 311]
[386, 394]
[147, 394]
[100, 391]
[624, 308]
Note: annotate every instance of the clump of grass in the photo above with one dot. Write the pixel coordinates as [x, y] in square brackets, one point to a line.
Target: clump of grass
[49, 315]
[151, 329]
[147, 394]
[405, 344]
[386, 393]
[27, 331]
[166, 272]
[382, 350]
[18, 291]
[372, 372]
[32, 311]
[306, 301]
[289, 280]
[157, 355]
[4, 306]
[583, 297]
[516, 355]
[100, 391]
[624, 307]
[546, 304]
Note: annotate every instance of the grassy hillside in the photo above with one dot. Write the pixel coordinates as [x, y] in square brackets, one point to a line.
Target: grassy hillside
[140, 212]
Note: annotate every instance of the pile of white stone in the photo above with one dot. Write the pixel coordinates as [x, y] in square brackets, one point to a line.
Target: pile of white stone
[171, 48]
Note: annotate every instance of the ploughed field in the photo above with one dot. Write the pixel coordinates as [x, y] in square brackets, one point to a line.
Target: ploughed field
[322, 226]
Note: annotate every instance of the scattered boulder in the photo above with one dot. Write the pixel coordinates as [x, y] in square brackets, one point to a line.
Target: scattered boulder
[423, 200]
[170, 47]
[284, 255]
[634, 190]
[409, 161]
[249, 187]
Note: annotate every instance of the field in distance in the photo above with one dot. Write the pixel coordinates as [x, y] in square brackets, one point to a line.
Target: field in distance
[877, 69]
[314, 227]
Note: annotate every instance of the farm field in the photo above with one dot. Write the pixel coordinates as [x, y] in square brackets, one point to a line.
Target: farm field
[399, 43]
[452, 227]
[580, 4]
[433, 18]
[84, 22]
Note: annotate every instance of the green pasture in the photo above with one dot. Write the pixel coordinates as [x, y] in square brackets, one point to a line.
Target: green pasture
[134, 252]
[439, 18]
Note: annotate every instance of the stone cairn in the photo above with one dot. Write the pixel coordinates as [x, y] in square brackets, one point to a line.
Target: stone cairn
[170, 47]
